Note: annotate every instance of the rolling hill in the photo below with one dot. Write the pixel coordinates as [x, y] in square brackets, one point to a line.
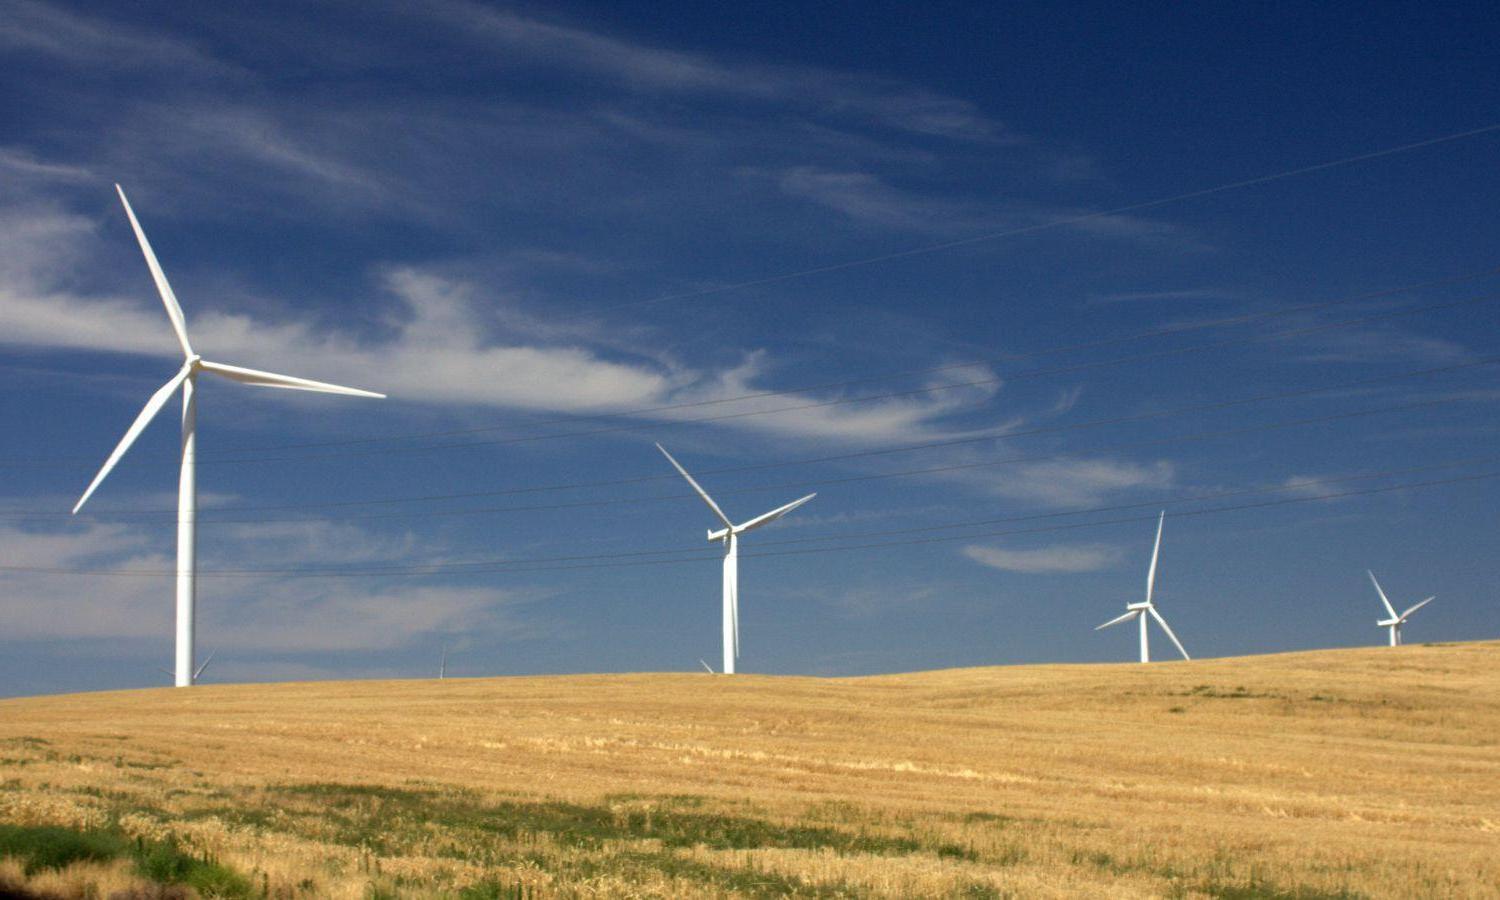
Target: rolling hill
[1345, 773]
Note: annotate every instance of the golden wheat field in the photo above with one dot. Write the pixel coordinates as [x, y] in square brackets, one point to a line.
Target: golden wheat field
[1348, 773]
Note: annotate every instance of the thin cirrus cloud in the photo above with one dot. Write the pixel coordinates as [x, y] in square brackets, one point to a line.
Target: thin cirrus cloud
[1068, 482]
[866, 199]
[640, 67]
[633, 93]
[1058, 560]
[60, 33]
[19, 163]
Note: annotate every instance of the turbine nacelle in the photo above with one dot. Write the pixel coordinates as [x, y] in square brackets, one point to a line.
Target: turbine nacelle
[1136, 607]
[1396, 619]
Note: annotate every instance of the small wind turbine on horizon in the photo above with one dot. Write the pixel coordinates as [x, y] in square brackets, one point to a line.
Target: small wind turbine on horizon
[1141, 610]
[729, 535]
[1395, 622]
[197, 673]
[187, 488]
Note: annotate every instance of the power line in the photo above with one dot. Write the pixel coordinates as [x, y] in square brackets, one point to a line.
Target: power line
[1291, 485]
[522, 566]
[1200, 436]
[1298, 484]
[1066, 426]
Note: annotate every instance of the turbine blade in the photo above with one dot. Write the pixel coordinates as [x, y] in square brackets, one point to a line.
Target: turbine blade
[200, 669]
[1118, 619]
[169, 299]
[153, 406]
[773, 515]
[697, 487]
[271, 379]
[1155, 552]
[1389, 608]
[1168, 629]
[706, 666]
[1417, 607]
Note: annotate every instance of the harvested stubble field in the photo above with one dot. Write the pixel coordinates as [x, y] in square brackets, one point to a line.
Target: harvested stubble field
[1345, 773]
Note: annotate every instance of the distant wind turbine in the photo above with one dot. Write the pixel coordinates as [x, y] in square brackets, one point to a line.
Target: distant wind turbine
[187, 490]
[197, 673]
[1395, 622]
[729, 535]
[1141, 610]
[443, 666]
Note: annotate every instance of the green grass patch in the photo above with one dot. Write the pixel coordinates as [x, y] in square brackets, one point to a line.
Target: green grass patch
[166, 863]
[494, 890]
[42, 847]
[391, 820]
[1257, 889]
[738, 882]
[26, 741]
[1240, 692]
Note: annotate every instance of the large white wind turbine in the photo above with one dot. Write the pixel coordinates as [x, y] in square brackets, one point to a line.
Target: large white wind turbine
[1141, 610]
[729, 535]
[187, 491]
[1395, 622]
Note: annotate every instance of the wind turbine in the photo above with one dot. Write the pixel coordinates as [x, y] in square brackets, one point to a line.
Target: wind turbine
[197, 673]
[187, 491]
[1141, 610]
[729, 536]
[1395, 622]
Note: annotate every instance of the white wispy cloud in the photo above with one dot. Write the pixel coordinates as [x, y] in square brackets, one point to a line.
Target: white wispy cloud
[1061, 559]
[350, 618]
[866, 198]
[258, 613]
[1380, 343]
[1311, 486]
[93, 42]
[1167, 296]
[440, 346]
[1065, 483]
[18, 162]
[640, 67]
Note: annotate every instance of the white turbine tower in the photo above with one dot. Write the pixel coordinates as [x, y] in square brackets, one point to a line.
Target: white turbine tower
[1395, 622]
[187, 491]
[729, 535]
[1141, 610]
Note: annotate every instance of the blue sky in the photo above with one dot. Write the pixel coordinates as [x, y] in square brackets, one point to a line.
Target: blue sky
[527, 222]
